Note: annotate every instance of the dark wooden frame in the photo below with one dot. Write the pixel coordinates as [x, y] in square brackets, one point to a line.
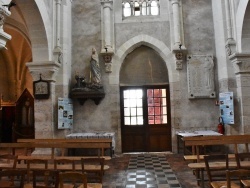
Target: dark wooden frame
[145, 138]
[41, 95]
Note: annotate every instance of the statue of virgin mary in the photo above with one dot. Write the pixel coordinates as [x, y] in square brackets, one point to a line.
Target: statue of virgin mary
[95, 72]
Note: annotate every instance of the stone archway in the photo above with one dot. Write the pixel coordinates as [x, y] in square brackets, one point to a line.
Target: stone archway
[39, 28]
[241, 64]
[242, 20]
[164, 52]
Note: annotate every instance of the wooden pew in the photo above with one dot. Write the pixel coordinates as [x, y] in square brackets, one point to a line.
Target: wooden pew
[45, 157]
[225, 140]
[63, 167]
[86, 144]
[201, 157]
[91, 143]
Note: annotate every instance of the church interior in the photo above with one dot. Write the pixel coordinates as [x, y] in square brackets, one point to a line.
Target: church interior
[142, 72]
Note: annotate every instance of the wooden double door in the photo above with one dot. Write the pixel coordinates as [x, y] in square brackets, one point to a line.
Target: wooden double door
[145, 119]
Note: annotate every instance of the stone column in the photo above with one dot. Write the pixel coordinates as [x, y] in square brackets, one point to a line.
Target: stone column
[241, 63]
[4, 37]
[107, 33]
[45, 124]
[176, 23]
[178, 47]
[58, 23]
[58, 54]
[230, 44]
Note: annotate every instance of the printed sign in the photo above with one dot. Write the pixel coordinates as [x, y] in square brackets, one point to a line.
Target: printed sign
[227, 107]
[65, 113]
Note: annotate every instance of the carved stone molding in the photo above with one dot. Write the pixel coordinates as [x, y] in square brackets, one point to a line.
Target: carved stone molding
[179, 57]
[4, 37]
[106, 1]
[3, 14]
[47, 69]
[230, 47]
[241, 63]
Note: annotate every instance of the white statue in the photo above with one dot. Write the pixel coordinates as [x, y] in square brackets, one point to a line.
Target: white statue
[95, 72]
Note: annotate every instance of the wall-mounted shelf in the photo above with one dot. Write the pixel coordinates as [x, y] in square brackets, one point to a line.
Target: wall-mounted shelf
[83, 94]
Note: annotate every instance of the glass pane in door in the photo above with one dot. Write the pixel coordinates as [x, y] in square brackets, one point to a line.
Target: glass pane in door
[157, 106]
[133, 110]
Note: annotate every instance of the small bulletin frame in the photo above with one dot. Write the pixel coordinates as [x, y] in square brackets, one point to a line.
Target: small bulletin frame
[41, 89]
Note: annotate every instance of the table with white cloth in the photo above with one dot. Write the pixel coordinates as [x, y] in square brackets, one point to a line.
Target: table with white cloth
[181, 134]
[94, 135]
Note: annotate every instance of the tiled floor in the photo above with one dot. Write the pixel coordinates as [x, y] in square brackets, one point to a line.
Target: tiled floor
[149, 170]
[161, 170]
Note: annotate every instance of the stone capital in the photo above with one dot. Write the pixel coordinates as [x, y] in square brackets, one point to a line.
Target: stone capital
[175, 2]
[47, 69]
[4, 37]
[4, 11]
[241, 63]
[106, 1]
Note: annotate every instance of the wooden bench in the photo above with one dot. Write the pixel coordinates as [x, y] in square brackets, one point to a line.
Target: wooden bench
[46, 157]
[203, 141]
[92, 143]
[201, 157]
[59, 144]
[226, 140]
[200, 167]
[63, 167]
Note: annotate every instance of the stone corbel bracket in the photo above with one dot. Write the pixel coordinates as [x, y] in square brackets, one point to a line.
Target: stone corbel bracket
[230, 47]
[179, 57]
[48, 70]
[241, 63]
[4, 37]
[107, 55]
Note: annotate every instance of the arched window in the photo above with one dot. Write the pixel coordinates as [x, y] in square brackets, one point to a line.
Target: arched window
[155, 7]
[126, 9]
[140, 7]
[137, 9]
[144, 8]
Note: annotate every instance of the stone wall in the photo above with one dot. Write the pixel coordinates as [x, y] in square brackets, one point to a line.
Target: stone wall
[198, 32]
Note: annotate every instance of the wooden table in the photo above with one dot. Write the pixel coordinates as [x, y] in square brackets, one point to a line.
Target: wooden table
[181, 134]
[201, 167]
[95, 135]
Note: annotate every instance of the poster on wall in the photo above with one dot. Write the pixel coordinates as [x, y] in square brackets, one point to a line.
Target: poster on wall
[65, 113]
[227, 107]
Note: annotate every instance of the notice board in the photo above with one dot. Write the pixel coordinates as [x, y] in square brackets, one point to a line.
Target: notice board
[227, 107]
[65, 113]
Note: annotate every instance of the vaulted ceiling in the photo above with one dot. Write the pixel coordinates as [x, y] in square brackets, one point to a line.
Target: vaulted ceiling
[14, 75]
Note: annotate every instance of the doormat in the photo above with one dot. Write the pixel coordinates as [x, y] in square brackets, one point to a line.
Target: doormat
[152, 171]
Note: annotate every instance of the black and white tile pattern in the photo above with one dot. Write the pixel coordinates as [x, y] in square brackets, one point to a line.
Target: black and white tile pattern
[150, 171]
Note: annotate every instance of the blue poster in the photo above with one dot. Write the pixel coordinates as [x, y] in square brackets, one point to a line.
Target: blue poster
[65, 113]
[227, 107]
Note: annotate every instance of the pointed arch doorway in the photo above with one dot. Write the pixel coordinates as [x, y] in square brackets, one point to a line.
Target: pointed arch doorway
[145, 102]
